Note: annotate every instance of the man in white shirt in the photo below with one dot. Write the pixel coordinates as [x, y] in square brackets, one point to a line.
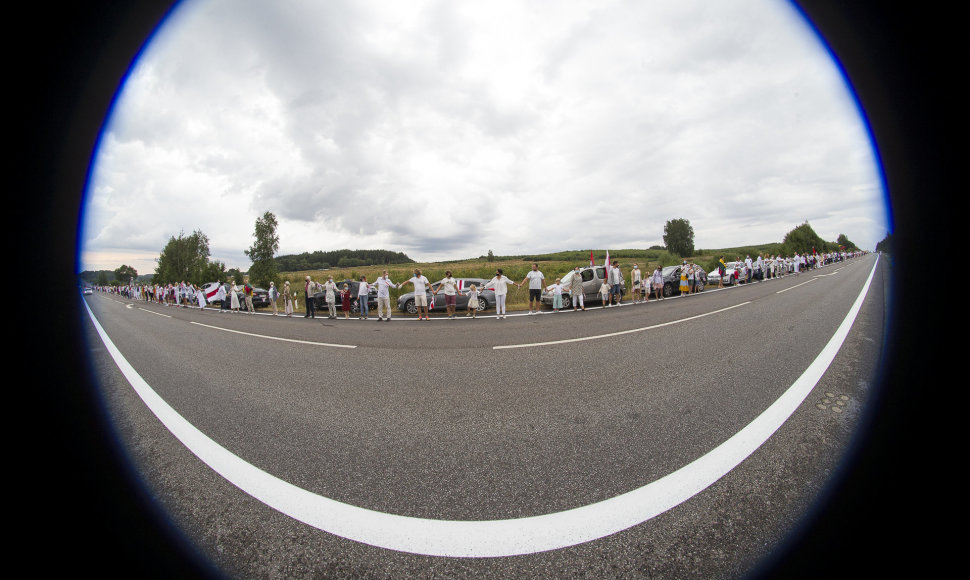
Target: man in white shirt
[384, 285]
[535, 279]
[420, 292]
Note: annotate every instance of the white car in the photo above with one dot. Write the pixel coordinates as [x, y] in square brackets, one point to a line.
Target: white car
[729, 269]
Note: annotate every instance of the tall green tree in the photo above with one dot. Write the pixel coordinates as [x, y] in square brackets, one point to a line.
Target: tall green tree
[184, 258]
[679, 237]
[886, 244]
[846, 243]
[803, 239]
[267, 242]
[125, 274]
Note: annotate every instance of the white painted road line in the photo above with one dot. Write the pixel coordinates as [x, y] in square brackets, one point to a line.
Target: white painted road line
[796, 286]
[275, 337]
[496, 537]
[151, 312]
[618, 333]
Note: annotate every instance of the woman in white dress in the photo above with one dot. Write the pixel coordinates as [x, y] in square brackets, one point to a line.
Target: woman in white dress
[287, 299]
[233, 296]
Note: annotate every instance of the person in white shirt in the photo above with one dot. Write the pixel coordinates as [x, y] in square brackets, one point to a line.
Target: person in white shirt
[658, 283]
[615, 278]
[363, 292]
[273, 294]
[450, 287]
[535, 279]
[420, 288]
[384, 285]
[500, 285]
[556, 295]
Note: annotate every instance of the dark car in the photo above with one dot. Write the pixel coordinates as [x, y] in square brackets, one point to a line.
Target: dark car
[260, 298]
[320, 298]
[486, 297]
[671, 278]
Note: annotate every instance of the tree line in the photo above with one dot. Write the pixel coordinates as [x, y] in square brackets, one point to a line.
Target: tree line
[321, 260]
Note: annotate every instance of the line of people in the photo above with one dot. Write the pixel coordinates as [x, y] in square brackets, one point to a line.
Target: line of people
[237, 298]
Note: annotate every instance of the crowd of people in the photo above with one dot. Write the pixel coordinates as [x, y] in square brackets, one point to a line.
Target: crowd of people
[765, 268]
[234, 297]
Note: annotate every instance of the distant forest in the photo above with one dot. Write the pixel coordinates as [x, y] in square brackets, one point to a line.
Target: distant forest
[320, 260]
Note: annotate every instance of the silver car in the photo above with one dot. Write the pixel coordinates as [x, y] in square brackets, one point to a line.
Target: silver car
[486, 297]
[593, 277]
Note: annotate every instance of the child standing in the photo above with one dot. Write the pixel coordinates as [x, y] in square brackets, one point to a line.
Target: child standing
[556, 295]
[472, 301]
[345, 301]
[605, 293]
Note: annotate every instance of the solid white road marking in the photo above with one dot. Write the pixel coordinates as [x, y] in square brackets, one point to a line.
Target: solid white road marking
[496, 537]
[618, 333]
[275, 337]
[152, 312]
[796, 286]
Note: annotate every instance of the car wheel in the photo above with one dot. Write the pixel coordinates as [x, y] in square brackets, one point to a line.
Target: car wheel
[410, 307]
[567, 302]
[482, 304]
[668, 290]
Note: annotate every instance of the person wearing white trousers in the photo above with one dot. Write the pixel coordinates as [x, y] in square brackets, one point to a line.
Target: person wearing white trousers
[500, 285]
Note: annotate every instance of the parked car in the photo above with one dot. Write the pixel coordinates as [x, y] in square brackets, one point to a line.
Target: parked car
[87, 290]
[729, 269]
[592, 281]
[320, 298]
[486, 297]
[260, 297]
[671, 278]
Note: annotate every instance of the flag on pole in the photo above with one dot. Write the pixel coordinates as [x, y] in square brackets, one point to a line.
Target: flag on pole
[591, 263]
[607, 261]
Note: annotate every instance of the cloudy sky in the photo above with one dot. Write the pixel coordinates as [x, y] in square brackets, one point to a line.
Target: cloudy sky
[444, 129]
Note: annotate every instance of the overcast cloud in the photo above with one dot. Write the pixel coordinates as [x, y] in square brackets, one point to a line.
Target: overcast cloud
[443, 129]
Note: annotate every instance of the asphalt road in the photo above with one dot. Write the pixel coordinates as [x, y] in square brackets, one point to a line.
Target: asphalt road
[430, 420]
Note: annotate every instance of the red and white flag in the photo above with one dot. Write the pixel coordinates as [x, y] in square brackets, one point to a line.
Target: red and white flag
[607, 260]
[591, 263]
